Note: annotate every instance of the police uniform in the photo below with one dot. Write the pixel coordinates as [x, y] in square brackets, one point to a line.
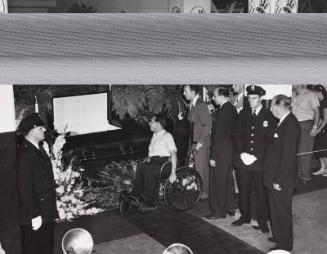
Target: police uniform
[37, 195]
[251, 134]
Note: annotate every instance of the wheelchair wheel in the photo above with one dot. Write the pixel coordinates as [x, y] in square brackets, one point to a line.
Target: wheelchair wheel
[125, 206]
[186, 191]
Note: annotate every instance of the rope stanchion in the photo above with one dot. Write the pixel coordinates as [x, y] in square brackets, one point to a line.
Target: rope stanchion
[307, 153]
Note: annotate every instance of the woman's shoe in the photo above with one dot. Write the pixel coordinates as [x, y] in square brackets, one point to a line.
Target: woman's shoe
[321, 171]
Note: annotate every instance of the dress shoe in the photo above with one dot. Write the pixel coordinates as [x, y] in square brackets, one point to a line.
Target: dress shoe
[240, 222]
[272, 239]
[211, 217]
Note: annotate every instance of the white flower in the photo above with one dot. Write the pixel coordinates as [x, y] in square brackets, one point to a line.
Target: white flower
[127, 182]
[73, 211]
[60, 190]
[69, 216]
[69, 203]
[81, 212]
[61, 214]
[75, 174]
[64, 199]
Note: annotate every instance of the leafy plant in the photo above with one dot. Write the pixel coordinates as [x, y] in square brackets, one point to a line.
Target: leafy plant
[129, 101]
[80, 7]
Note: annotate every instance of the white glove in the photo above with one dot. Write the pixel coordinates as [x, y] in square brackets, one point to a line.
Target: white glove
[248, 159]
[37, 222]
[277, 187]
[2, 250]
[212, 163]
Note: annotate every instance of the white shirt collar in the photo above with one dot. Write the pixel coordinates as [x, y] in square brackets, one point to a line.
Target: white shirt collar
[195, 99]
[283, 118]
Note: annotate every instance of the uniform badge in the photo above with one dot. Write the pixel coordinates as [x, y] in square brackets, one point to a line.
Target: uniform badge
[275, 135]
[265, 124]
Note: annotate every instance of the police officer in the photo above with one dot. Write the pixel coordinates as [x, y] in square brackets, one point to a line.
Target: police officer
[251, 132]
[36, 188]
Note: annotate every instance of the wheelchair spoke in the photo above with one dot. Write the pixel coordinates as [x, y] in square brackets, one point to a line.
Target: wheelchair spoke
[186, 191]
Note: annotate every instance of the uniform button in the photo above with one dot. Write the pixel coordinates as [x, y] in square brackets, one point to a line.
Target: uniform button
[251, 149]
[42, 199]
[252, 135]
[252, 127]
[251, 141]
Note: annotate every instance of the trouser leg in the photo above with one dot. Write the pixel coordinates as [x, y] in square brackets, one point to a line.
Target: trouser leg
[218, 188]
[280, 203]
[213, 191]
[201, 159]
[230, 195]
[244, 188]
[139, 180]
[151, 179]
[305, 145]
[40, 241]
[262, 209]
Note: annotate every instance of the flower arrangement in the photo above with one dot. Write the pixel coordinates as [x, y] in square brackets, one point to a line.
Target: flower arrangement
[70, 190]
[105, 188]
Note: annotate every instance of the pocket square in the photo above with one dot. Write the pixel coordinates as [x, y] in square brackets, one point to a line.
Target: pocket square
[265, 124]
[275, 135]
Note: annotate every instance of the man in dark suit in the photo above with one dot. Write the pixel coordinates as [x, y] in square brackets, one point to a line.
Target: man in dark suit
[221, 183]
[252, 128]
[201, 124]
[280, 171]
[36, 189]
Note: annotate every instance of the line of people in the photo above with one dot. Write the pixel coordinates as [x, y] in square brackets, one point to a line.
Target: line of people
[262, 146]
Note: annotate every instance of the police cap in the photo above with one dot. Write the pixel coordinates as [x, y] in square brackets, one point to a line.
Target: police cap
[29, 122]
[253, 89]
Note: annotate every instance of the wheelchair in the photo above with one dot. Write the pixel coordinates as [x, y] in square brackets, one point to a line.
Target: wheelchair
[182, 195]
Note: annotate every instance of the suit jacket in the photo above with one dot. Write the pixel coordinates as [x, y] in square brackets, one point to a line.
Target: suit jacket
[251, 136]
[201, 122]
[36, 186]
[222, 143]
[280, 164]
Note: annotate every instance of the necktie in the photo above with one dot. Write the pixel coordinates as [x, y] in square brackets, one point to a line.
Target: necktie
[253, 113]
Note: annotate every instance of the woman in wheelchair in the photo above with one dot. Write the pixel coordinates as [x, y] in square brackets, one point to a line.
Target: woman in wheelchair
[161, 149]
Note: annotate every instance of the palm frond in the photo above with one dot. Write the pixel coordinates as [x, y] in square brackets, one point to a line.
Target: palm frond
[155, 95]
[128, 100]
